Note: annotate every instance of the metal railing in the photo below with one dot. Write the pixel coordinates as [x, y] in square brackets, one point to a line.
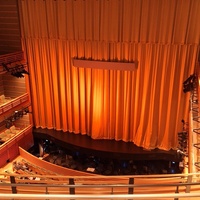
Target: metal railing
[171, 186]
[196, 125]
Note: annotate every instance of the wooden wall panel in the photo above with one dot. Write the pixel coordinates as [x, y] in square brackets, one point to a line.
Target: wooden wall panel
[27, 141]
[13, 150]
[1, 85]
[13, 86]
[23, 122]
[9, 27]
[10, 149]
[4, 157]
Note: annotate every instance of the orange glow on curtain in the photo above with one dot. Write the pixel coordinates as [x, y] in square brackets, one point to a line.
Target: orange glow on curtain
[144, 106]
[97, 103]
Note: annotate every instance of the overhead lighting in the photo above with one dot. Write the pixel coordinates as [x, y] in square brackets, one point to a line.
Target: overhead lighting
[17, 70]
[189, 84]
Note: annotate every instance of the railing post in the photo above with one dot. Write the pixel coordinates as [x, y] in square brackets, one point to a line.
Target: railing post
[47, 190]
[71, 189]
[14, 189]
[131, 189]
[189, 180]
[177, 191]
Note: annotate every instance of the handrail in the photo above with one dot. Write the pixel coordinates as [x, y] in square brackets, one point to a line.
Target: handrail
[104, 177]
[17, 186]
[96, 185]
[99, 196]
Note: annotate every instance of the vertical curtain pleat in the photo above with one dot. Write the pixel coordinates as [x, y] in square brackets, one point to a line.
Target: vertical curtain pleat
[144, 106]
[154, 21]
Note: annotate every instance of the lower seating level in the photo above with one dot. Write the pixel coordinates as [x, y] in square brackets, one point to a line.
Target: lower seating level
[104, 157]
[33, 177]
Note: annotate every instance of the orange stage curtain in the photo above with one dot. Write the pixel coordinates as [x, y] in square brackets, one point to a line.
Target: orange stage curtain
[144, 106]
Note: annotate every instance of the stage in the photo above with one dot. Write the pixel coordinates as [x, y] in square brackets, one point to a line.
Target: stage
[103, 148]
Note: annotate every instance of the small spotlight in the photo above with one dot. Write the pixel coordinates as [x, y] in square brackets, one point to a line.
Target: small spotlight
[24, 72]
[6, 67]
[17, 71]
[181, 152]
[189, 83]
[17, 74]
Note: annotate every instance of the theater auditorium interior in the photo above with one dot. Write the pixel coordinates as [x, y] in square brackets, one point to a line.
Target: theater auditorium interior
[99, 88]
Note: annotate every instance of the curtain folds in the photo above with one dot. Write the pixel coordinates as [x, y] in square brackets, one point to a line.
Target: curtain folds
[144, 106]
[148, 21]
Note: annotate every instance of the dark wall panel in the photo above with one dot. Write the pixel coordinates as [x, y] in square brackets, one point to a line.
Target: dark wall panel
[1, 85]
[9, 27]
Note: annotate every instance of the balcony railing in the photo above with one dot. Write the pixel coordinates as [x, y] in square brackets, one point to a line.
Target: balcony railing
[11, 57]
[26, 186]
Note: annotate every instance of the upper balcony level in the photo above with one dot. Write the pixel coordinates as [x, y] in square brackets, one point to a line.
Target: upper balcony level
[15, 118]
[13, 90]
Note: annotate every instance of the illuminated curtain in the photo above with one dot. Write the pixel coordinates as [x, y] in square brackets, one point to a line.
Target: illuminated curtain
[144, 106]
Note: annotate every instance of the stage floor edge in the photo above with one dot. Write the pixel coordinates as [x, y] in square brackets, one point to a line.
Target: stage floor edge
[104, 148]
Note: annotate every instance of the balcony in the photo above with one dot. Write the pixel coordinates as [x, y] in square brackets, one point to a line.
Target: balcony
[15, 119]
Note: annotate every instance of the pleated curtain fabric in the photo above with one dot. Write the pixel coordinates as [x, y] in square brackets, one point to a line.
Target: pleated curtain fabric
[144, 106]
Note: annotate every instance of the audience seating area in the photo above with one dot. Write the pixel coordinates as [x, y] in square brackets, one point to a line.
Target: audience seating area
[4, 99]
[80, 161]
[29, 177]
